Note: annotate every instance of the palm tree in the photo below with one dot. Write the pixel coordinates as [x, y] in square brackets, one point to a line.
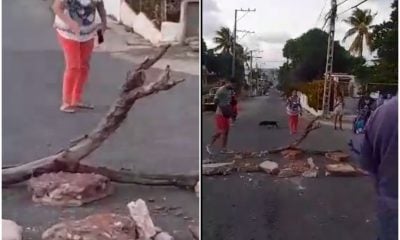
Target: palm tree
[223, 40]
[360, 22]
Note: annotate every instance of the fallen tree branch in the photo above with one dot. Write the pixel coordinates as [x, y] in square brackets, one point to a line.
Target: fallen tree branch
[294, 145]
[132, 90]
[127, 176]
[311, 126]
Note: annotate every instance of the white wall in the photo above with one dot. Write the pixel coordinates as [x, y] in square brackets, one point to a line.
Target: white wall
[140, 24]
[170, 32]
[113, 7]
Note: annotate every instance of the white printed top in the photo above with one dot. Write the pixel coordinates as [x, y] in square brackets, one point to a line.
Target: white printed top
[84, 13]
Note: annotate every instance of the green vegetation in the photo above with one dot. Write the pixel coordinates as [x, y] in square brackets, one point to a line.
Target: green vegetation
[219, 59]
[306, 55]
[306, 59]
[360, 22]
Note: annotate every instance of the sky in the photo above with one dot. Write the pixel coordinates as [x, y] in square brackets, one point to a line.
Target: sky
[276, 21]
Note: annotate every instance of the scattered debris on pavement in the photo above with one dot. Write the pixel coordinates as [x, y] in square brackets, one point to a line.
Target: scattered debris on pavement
[338, 156]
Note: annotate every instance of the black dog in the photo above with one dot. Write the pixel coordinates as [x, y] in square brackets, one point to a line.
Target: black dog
[269, 123]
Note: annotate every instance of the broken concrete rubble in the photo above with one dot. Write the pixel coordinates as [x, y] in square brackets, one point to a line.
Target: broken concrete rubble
[95, 227]
[312, 173]
[217, 168]
[269, 167]
[11, 230]
[140, 214]
[163, 236]
[69, 189]
[338, 156]
[341, 169]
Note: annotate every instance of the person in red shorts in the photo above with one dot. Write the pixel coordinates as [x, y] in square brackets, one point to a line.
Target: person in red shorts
[223, 114]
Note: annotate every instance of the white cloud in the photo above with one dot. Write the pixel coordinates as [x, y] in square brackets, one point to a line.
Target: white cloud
[277, 20]
[273, 37]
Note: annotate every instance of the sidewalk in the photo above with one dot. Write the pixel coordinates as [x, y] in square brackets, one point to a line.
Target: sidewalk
[132, 47]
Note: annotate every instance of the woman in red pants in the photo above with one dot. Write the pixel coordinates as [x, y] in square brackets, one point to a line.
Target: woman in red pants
[293, 109]
[76, 29]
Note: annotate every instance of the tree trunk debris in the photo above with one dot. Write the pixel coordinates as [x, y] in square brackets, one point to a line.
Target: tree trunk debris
[68, 159]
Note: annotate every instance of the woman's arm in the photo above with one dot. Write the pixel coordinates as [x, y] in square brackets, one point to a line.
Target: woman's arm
[103, 14]
[58, 9]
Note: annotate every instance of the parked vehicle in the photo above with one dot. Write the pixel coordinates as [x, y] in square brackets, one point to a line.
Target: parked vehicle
[208, 100]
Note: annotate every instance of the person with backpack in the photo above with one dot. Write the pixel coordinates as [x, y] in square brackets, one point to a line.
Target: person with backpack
[223, 114]
[293, 109]
[76, 29]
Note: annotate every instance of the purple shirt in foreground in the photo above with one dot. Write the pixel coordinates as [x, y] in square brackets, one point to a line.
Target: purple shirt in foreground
[379, 152]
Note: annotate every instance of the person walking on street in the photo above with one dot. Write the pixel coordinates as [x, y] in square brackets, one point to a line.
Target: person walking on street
[379, 156]
[293, 109]
[76, 29]
[223, 114]
[338, 111]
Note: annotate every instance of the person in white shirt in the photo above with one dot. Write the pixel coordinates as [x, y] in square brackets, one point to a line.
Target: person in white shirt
[76, 29]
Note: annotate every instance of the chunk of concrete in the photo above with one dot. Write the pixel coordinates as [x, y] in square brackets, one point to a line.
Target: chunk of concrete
[141, 215]
[338, 156]
[270, 167]
[310, 162]
[96, 227]
[163, 236]
[11, 230]
[312, 173]
[69, 189]
[217, 168]
[341, 169]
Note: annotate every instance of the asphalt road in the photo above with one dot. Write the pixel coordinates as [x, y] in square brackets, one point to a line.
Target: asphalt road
[256, 206]
[159, 136]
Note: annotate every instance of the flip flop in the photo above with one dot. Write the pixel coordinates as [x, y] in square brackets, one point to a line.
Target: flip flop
[67, 109]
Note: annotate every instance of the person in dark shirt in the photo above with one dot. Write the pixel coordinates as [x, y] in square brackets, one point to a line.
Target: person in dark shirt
[379, 156]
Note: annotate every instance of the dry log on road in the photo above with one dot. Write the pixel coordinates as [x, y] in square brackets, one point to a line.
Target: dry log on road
[68, 159]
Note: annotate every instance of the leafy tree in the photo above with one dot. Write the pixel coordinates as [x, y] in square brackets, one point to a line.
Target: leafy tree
[223, 40]
[360, 22]
[385, 42]
[203, 52]
[306, 58]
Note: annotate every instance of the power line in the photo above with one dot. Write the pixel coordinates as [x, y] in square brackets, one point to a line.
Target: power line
[244, 15]
[320, 14]
[355, 6]
[342, 2]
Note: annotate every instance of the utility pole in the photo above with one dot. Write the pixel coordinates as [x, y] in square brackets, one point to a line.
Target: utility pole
[329, 60]
[251, 66]
[234, 38]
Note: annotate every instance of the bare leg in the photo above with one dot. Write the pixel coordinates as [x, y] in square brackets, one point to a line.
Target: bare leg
[336, 118]
[214, 138]
[225, 139]
[340, 122]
